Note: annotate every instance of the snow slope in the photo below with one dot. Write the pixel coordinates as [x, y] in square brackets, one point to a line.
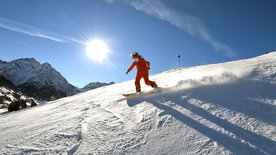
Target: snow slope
[226, 108]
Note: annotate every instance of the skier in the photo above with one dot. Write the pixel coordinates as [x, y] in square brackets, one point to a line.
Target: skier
[142, 71]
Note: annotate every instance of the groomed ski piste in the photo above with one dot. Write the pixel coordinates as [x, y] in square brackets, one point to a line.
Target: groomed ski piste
[225, 108]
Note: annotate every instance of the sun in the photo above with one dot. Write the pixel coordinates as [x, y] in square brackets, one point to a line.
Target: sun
[97, 50]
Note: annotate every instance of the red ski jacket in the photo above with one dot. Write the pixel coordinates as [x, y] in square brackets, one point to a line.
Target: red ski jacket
[141, 64]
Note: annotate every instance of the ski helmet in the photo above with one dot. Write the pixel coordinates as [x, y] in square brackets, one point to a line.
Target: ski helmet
[134, 54]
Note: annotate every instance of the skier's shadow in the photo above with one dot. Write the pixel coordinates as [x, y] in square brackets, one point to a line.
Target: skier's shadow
[263, 144]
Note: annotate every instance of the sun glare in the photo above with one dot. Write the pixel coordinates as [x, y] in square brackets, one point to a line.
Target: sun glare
[97, 50]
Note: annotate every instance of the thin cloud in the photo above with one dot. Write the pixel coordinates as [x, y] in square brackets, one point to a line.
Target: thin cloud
[110, 1]
[33, 31]
[189, 24]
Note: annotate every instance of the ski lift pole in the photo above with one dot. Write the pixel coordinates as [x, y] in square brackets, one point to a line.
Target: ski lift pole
[178, 61]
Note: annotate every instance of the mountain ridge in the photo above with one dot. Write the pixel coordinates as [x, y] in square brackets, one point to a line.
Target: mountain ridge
[41, 81]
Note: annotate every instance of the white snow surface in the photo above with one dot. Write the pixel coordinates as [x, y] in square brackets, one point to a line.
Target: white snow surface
[226, 108]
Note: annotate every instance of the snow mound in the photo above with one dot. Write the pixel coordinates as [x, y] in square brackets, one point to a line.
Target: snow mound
[226, 108]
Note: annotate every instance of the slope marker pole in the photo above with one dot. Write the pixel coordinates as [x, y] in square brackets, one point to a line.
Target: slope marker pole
[178, 61]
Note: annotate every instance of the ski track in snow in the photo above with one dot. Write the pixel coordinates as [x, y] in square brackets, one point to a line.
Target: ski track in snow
[226, 108]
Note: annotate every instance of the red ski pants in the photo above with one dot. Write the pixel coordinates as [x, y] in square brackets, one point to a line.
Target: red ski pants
[145, 76]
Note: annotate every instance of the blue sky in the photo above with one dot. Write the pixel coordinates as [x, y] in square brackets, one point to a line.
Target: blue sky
[201, 31]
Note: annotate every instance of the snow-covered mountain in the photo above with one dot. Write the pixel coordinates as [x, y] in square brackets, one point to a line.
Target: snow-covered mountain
[41, 81]
[94, 85]
[37, 80]
[226, 108]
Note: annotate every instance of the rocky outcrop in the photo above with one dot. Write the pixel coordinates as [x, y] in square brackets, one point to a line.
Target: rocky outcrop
[14, 101]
